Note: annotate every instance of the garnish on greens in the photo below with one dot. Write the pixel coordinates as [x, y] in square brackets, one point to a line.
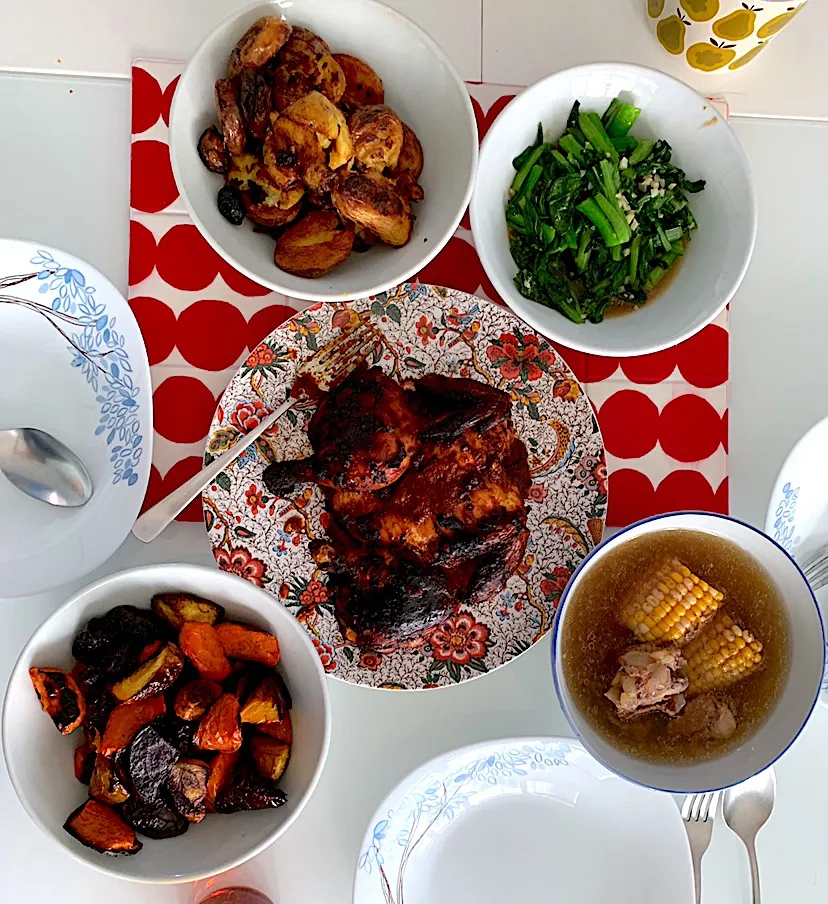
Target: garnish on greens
[597, 218]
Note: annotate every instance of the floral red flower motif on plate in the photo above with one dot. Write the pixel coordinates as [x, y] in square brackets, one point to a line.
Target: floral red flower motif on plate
[426, 330]
[554, 584]
[520, 357]
[261, 356]
[370, 661]
[314, 594]
[248, 415]
[255, 499]
[459, 639]
[239, 561]
[326, 654]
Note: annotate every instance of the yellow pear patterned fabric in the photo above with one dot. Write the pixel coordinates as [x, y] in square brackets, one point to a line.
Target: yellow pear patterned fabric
[719, 35]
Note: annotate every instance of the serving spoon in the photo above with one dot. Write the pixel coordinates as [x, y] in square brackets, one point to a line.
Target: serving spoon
[746, 808]
[44, 468]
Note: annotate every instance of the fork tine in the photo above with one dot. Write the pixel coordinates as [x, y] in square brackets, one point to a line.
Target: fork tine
[687, 806]
[341, 344]
[697, 807]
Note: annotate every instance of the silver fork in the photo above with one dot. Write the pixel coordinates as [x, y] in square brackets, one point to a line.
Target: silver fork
[330, 364]
[815, 568]
[699, 814]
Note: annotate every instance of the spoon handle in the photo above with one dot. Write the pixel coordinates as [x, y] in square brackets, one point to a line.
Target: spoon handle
[754, 871]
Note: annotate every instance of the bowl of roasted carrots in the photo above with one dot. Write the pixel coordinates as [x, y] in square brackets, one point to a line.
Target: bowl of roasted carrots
[167, 723]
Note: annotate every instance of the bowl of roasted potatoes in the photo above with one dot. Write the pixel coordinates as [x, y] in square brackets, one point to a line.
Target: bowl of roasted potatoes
[167, 723]
[325, 150]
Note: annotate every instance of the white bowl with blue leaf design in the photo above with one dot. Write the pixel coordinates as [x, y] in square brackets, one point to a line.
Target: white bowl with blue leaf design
[797, 516]
[525, 819]
[72, 363]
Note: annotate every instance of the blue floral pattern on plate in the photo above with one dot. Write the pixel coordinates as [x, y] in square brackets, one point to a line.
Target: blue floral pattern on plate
[97, 349]
[784, 525]
[438, 797]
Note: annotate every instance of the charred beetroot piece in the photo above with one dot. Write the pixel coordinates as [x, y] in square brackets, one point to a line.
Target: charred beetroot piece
[188, 788]
[60, 698]
[231, 205]
[114, 639]
[154, 819]
[180, 733]
[249, 791]
[149, 761]
[99, 827]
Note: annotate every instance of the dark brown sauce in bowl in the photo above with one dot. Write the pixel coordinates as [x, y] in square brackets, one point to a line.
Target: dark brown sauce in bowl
[592, 637]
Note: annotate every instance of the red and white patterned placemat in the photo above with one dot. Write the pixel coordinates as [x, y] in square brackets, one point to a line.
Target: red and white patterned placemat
[663, 416]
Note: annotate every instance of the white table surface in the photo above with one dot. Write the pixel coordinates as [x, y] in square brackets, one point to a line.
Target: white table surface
[64, 180]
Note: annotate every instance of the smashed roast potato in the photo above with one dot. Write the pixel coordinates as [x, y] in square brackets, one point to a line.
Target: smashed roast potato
[177, 608]
[60, 698]
[163, 739]
[105, 784]
[213, 151]
[270, 756]
[99, 827]
[283, 137]
[315, 245]
[373, 202]
[195, 698]
[377, 136]
[315, 111]
[187, 786]
[260, 43]
[230, 121]
[293, 144]
[363, 86]
[153, 677]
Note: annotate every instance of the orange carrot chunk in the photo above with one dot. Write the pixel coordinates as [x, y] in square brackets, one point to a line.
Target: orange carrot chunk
[220, 728]
[243, 642]
[100, 828]
[200, 644]
[221, 771]
[127, 720]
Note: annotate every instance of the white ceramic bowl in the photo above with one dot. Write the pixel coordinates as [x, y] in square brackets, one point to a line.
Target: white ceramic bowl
[792, 710]
[420, 84]
[39, 759]
[703, 144]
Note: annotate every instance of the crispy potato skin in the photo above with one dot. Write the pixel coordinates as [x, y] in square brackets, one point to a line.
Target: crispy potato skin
[231, 122]
[260, 43]
[377, 135]
[318, 114]
[254, 102]
[362, 85]
[177, 608]
[314, 245]
[373, 202]
[213, 151]
[288, 140]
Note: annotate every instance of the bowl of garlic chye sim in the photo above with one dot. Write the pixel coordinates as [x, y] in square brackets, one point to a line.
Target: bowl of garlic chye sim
[688, 652]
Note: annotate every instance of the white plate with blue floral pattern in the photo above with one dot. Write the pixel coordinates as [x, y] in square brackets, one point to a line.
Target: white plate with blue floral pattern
[528, 820]
[797, 516]
[72, 363]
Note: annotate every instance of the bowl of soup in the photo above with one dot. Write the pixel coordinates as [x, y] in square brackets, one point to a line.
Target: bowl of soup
[688, 652]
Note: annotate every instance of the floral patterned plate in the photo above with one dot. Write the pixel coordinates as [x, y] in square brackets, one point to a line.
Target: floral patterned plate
[73, 363]
[523, 820]
[425, 329]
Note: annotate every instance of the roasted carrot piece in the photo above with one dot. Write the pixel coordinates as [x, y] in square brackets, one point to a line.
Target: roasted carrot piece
[221, 771]
[150, 650]
[243, 642]
[200, 644]
[282, 731]
[99, 827]
[60, 697]
[264, 704]
[220, 728]
[195, 698]
[128, 719]
[84, 762]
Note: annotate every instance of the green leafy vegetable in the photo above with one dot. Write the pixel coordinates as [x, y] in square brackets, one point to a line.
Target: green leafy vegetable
[598, 217]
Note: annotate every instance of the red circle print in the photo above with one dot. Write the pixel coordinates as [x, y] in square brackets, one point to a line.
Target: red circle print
[157, 323]
[185, 260]
[576, 361]
[238, 282]
[726, 431]
[153, 187]
[456, 266]
[183, 408]
[629, 422]
[212, 334]
[146, 100]
[178, 473]
[721, 501]
[141, 252]
[630, 497]
[703, 358]
[650, 368]
[167, 99]
[264, 322]
[689, 428]
[600, 368]
[684, 490]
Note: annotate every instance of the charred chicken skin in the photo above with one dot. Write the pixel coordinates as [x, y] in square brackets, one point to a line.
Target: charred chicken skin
[427, 486]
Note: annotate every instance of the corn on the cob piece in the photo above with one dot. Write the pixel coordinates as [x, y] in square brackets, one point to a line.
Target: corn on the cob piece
[671, 605]
[722, 654]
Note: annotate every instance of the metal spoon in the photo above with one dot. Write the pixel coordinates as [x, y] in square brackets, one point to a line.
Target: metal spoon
[747, 807]
[44, 468]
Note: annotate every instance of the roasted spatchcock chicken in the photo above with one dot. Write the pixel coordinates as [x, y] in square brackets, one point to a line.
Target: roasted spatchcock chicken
[426, 483]
[309, 150]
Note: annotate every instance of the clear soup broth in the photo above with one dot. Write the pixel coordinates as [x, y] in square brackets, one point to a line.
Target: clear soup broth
[593, 638]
